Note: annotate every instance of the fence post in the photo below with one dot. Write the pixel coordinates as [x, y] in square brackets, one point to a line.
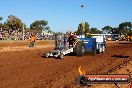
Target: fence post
[23, 32]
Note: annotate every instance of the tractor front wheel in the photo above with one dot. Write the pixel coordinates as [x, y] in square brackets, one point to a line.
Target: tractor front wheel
[61, 56]
[46, 55]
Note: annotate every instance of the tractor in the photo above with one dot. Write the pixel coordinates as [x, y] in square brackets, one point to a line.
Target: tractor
[62, 47]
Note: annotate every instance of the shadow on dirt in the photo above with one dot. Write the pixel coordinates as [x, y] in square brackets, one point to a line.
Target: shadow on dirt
[120, 56]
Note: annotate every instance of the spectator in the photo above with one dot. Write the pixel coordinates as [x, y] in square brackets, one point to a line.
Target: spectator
[32, 40]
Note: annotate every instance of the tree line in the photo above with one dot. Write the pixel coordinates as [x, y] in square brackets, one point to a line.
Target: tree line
[124, 28]
[15, 23]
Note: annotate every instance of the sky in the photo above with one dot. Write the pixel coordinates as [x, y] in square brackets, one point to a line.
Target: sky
[65, 15]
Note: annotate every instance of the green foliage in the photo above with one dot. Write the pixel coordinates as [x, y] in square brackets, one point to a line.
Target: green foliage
[14, 23]
[5, 26]
[48, 29]
[38, 25]
[115, 31]
[95, 31]
[1, 18]
[87, 30]
[125, 24]
[1, 25]
[129, 33]
[125, 27]
[79, 31]
[83, 28]
[107, 29]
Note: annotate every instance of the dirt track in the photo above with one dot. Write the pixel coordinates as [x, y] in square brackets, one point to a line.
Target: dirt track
[27, 69]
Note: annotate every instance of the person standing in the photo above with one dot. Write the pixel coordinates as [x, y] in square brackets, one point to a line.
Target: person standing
[32, 40]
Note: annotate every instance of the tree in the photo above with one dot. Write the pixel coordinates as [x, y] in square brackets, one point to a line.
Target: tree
[79, 31]
[5, 26]
[125, 24]
[38, 25]
[83, 28]
[49, 31]
[129, 33]
[125, 27]
[115, 30]
[107, 29]
[1, 18]
[87, 30]
[95, 31]
[1, 25]
[14, 23]
[47, 28]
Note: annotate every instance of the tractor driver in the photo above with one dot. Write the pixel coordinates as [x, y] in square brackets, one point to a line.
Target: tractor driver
[74, 38]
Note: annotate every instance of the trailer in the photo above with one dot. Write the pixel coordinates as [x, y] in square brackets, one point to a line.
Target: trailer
[88, 43]
[62, 48]
[96, 44]
[100, 42]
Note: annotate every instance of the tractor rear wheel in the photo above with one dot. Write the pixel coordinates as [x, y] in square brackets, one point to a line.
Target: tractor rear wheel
[94, 52]
[79, 49]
